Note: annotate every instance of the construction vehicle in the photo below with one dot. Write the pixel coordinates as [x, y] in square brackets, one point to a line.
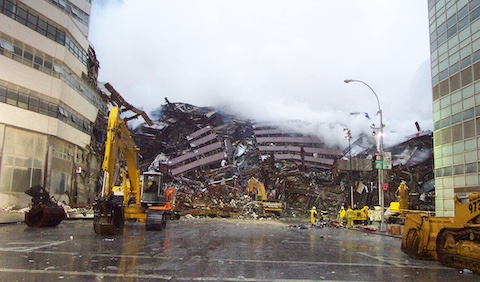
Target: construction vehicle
[135, 200]
[260, 197]
[454, 241]
[44, 211]
[397, 210]
[361, 216]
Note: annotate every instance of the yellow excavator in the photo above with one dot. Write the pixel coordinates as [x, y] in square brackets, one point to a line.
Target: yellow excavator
[140, 196]
[261, 197]
[454, 241]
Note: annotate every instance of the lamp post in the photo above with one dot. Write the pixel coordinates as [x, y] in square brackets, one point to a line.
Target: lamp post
[348, 136]
[380, 157]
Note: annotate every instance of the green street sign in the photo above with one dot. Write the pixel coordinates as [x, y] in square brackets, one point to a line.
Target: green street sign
[386, 164]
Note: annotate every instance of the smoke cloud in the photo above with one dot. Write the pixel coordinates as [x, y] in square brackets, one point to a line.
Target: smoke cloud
[273, 60]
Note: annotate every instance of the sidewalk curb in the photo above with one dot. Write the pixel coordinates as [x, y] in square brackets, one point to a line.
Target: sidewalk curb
[11, 218]
[386, 234]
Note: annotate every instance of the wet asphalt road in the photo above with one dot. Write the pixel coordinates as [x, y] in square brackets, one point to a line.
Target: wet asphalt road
[209, 250]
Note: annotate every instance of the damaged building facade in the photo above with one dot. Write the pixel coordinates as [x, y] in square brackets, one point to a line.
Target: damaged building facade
[49, 101]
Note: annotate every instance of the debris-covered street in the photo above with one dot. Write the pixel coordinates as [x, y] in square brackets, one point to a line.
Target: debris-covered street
[209, 249]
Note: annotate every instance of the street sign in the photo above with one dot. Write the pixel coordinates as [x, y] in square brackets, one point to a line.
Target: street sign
[385, 186]
[387, 160]
[386, 163]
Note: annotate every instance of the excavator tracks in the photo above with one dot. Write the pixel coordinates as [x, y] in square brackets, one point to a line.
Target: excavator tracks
[459, 248]
[156, 220]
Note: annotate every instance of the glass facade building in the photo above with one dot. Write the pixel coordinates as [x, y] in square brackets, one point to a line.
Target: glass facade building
[455, 63]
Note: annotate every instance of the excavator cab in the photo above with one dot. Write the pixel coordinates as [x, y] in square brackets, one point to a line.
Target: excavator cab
[157, 200]
[153, 193]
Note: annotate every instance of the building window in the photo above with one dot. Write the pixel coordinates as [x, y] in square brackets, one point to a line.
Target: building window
[447, 171]
[40, 61]
[471, 168]
[59, 182]
[457, 134]
[21, 13]
[29, 100]
[23, 160]
[71, 9]
[458, 169]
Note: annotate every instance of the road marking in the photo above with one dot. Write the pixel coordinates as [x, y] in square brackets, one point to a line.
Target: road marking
[32, 248]
[136, 276]
[88, 274]
[396, 262]
[386, 262]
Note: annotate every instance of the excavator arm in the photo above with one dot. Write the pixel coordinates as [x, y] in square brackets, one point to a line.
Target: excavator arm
[119, 141]
[109, 214]
[253, 183]
[261, 196]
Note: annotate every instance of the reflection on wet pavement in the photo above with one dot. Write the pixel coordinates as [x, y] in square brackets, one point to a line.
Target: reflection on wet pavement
[209, 249]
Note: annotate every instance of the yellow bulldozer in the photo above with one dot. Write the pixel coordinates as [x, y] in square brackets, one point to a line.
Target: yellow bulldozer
[454, 241]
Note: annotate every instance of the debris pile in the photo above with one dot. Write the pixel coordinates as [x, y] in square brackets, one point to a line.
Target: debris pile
[209, 156]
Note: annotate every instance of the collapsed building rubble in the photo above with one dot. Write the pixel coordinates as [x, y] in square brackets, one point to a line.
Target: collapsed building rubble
[209, 155]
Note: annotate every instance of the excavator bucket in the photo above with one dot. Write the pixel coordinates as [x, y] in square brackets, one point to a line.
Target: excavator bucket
[44, 212]
[108, 218]
[45, 215]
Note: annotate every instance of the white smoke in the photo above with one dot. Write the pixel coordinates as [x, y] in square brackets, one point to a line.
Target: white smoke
[273, 60]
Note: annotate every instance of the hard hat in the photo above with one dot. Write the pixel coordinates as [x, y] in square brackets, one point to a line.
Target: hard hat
[314, 208]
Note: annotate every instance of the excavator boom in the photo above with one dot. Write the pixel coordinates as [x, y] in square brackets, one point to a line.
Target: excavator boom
[261, 197]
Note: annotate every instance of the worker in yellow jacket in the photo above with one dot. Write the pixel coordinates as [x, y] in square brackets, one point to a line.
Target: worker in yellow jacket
[350, 215]
[341, 215]
[313, 215]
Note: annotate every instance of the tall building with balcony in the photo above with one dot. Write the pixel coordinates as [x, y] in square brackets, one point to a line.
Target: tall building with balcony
[455, 63]
[49, 100]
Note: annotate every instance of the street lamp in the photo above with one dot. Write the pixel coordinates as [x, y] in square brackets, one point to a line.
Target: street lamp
[383, 226]
[348, 136]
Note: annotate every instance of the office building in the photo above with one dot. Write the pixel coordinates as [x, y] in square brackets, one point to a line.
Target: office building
[49, 100]
[455, 63]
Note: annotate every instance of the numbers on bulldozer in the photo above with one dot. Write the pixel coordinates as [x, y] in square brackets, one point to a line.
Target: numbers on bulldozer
[473, 207]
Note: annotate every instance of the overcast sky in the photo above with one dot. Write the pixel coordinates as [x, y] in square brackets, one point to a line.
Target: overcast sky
[273, 60]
